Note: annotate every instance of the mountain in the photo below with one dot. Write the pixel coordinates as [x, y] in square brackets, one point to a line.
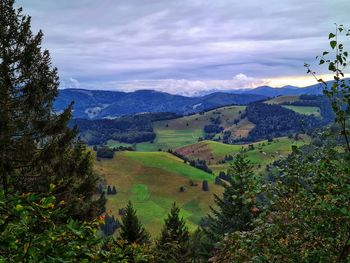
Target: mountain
[95, 104]
[286, 90]
[273, 92]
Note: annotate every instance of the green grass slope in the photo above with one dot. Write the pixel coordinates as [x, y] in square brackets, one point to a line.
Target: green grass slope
[151, 180]
[306, 110]
[263, 152]
[283, 99]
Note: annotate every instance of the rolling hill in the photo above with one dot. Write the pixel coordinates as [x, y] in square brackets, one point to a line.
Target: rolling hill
[260, 153]
[94, 104]
[152, 181]
[177, 132]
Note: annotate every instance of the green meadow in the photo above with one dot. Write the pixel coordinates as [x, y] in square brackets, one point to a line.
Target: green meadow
[151, 180]
[306, 110]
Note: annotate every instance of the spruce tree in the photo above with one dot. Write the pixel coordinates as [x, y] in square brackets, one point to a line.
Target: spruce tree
[37, 148]
[109, 190]
[235, 209]
[172, 245]
[131, 230]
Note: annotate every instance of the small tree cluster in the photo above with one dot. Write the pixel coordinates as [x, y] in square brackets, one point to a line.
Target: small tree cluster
[111, 190]
[110, 225]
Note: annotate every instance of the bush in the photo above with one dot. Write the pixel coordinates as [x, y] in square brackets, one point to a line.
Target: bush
[105, 152]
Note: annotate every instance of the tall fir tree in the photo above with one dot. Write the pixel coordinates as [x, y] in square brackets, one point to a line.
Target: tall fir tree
[131, 230]
[37, 148]
[236, 208]
[173, 244]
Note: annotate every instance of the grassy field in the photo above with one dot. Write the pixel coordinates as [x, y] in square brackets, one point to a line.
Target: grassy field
[262, 154]
[170, 139]
[306, 110]
[152, 181]
[283, 99]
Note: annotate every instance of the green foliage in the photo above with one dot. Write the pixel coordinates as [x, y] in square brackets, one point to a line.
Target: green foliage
[234, 211]
[172, 245]
[131, 229]
[308, 217]
[29, 232]
[339, 91]
[199, 247]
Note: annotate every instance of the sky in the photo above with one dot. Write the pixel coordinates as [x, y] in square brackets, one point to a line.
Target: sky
[185, 46]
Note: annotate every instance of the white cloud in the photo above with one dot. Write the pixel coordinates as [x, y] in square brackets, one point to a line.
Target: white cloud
[182, 86]
[72, 83]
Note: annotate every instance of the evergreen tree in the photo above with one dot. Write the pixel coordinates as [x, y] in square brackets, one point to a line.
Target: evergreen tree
[109, 190]
[235, 209]
[205, 186]
[131, 230]
[37, 148]
[172, 245]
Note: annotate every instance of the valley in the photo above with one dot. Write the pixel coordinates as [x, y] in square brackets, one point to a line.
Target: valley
[152, 174]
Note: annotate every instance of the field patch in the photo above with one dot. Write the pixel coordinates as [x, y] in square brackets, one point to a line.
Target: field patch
[306, 110]
[141, 192]
[170, 163]
[283, 99]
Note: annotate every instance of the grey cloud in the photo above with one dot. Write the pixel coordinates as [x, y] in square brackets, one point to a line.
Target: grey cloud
[150, 42]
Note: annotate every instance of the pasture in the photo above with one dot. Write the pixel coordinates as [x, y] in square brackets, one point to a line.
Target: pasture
[152, 181]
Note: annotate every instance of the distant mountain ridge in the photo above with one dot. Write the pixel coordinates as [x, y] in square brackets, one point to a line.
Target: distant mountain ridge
[98, 104]
[272, 92]
[95, 104]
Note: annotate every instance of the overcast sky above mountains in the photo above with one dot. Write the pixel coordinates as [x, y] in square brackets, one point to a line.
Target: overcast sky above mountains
[184, 46]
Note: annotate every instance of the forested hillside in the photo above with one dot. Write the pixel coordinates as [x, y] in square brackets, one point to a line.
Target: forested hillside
[93, 104]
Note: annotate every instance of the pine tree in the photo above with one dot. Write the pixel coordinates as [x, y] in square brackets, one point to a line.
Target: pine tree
[37, 148]
[172, 245]
[109, 190]
[131, 230]
[236, 208]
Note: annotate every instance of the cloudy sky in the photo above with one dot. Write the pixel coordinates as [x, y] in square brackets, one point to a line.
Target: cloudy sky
[184, 46]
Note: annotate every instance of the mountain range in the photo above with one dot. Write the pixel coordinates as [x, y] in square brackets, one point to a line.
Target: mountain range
[98, 104]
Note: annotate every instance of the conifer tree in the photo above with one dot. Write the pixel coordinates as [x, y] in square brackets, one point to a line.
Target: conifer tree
[172, 245]
[37, 148]
[235, 209]
[131, 230]
[109, 190]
